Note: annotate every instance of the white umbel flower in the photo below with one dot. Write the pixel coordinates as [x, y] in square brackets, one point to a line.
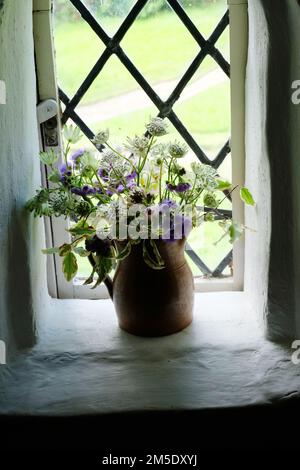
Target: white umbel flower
[101, 138]
[206, 176]
[157, 127]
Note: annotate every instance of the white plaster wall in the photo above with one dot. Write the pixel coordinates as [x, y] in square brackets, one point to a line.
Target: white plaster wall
[21, 268]
[272, 166]
[257, 164]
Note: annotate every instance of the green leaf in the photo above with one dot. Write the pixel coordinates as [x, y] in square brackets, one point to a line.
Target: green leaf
[235, 231]
[70, 266]
[103, 267]
[247, 197]
[223, 185]
[64, 249]
[79, 250]
[50, 251]
[54, 177]
[82, 231]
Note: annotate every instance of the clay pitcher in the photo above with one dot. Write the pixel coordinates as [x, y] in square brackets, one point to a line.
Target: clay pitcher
[153, 302]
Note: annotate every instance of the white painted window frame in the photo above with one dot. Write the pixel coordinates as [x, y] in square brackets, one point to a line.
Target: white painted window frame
[56, 233]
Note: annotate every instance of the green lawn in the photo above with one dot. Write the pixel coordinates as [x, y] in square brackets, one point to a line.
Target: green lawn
[160, 47]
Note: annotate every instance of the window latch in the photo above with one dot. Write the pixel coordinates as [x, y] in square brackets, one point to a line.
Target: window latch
[47, 113]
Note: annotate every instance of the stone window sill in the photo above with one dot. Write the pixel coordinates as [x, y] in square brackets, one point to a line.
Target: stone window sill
[83, 363]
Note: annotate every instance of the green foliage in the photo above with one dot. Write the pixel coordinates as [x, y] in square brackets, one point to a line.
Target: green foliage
[79, 250]
[247, 197]
[235, 231]
[223, 185]
[64, 249]
[85, 230]
[102, 268]
[70, 266]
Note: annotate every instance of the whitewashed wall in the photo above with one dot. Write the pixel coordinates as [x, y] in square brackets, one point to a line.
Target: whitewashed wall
[22, 278]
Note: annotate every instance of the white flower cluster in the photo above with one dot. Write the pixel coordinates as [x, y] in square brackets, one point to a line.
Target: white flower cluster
[157, 127]
[206, 176]
[177, 150]
[111, 161]
[101, 138]
[137, 144]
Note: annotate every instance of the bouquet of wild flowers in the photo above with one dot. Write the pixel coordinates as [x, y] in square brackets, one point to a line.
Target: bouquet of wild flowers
[117, 197]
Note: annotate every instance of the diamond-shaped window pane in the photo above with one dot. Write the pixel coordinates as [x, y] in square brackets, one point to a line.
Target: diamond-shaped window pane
[110, 13]
[160, 46]
[77, 47]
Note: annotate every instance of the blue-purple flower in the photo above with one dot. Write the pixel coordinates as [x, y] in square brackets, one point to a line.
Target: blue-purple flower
[103, 174]
[77, 154]
[178, 188]
[86, 190]
[131, 176]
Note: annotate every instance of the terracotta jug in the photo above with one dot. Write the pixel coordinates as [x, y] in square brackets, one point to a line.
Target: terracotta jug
[153, 302]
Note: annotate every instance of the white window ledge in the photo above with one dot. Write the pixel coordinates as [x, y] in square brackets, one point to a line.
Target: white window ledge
[84, 363]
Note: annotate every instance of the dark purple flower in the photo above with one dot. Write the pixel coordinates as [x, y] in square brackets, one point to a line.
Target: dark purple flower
[179, 188]
[77, 154]
[88, 190]
[170, 186]
[77, 191]
[84, 191]
[65, 170]
[182, 187]
[109, 192]
[103, 174]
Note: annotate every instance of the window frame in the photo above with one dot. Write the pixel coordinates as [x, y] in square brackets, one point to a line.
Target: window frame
[55, 228]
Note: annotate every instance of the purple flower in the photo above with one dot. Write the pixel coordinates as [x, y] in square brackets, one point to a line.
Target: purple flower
[65, 170]
[169, 203]
[109, 192]
[182, 187]
[131, 176]
[170, 186]
[131, 184]
[84, 191]
[88, 189]
[77, 154]
[77, 191]
[120, 188]
[179, 188]
[103, 174]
